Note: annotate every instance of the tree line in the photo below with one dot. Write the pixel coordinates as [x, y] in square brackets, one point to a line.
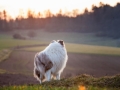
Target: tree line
[104, 20]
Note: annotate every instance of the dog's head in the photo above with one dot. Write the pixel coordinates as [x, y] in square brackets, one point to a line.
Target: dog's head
[61, 42]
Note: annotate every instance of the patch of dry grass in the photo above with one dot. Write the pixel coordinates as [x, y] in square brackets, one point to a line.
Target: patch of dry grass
[4, 54]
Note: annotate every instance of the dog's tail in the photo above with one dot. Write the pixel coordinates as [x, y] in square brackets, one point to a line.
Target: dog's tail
[38, 72]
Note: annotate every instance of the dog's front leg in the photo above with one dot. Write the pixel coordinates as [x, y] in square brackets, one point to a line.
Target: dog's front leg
[48, 75]
[40, 81]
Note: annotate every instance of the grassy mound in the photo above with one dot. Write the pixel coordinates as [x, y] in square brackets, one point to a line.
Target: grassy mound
[82, 82]
[107, 81]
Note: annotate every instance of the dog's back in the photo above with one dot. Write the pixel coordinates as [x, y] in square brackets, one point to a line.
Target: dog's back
[58, 55]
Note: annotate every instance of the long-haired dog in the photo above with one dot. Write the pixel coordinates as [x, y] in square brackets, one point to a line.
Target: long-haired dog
[50, 62]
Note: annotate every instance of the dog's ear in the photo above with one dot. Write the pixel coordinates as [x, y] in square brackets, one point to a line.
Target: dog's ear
[61, 42]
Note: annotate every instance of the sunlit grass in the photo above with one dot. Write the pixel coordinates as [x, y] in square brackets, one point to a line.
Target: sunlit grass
[6, 42]
[2, 71]
[40, 48]
[37, 87]
[91, 49]
[45, 37]
[85, 49]
[81, 82]
[9, 43]
[42, 87]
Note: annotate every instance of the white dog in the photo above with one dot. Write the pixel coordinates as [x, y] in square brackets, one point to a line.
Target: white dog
[50, 62]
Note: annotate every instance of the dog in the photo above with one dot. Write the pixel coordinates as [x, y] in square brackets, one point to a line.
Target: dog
[50, 63]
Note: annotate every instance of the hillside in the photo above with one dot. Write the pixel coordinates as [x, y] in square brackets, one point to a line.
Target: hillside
[81, 82]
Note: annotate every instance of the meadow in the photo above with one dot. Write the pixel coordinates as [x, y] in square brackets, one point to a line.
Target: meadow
[72, 37]
[86, 43]
[84, 48]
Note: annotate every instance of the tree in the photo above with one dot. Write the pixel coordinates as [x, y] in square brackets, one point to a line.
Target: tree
[30, 14]
[4, 15]
[48, 13]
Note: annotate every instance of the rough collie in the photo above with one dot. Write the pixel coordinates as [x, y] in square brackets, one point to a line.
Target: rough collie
[50, 62]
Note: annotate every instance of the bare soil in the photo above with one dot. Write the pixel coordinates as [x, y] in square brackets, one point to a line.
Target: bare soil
[20, 67]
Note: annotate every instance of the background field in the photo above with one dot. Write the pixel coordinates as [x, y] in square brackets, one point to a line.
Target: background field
[75, 42]
[68, 37]
[87, 54]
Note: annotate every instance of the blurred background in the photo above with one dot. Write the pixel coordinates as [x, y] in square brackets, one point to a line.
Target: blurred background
[89, 28]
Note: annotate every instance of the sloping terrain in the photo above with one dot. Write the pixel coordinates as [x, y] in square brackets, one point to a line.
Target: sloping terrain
[20, 63]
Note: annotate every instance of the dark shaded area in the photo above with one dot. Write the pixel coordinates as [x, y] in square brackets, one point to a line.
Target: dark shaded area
[18, 36]
[16, 79]
[103, 20]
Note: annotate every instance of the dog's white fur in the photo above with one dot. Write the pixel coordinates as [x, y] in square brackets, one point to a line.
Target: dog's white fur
[50, 62]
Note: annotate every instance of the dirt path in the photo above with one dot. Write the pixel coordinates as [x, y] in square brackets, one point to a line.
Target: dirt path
[22, 62]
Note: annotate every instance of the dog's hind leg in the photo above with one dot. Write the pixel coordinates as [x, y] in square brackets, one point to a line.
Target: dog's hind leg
[58, 76]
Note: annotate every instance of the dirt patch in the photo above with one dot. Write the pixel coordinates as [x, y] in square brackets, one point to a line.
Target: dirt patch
[21, 62]
[95, 65]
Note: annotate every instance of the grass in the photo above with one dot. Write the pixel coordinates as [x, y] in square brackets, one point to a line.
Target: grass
[69, 37]
[2, 71]
[78, 38]
[4, 54]
[91, 49]
[6, 41]
[85, 49]
[40, 87]
[87, 80]
[36, 87]
[9, 43]
[82, 82]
